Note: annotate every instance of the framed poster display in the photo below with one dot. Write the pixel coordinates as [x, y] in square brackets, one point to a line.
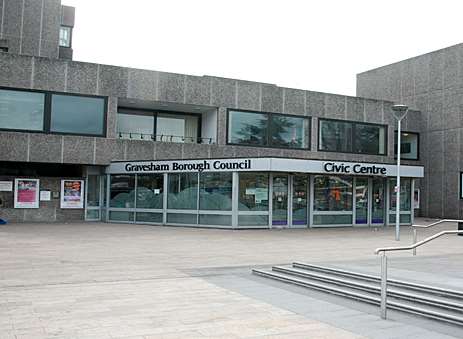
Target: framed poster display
[26, 193]
[72, 193]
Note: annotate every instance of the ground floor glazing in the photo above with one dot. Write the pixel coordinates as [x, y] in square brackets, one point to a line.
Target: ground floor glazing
[247, 199]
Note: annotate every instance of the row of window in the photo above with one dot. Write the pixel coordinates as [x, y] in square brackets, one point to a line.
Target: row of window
[277, 130]
[85, 115]
[52, 113]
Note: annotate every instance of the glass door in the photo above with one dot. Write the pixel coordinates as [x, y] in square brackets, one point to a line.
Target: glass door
[93, 199]
[280, 200]
[361, 201]
[378, 201]
[299, 200]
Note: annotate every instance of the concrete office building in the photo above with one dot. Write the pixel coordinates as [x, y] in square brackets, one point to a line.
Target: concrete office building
[173, 149]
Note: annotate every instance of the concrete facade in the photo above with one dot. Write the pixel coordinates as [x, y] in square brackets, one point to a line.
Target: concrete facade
[433, 84]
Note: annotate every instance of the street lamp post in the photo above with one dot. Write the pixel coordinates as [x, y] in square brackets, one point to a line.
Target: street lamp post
[399, 111]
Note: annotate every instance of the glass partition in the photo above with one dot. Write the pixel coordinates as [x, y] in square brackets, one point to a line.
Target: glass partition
[122, 191]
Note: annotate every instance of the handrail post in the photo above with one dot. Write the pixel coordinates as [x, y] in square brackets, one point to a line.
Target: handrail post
[415, 236]
[383, 285]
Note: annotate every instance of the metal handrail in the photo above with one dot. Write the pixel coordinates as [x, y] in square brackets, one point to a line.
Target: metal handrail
[415, 227]
[413, 246]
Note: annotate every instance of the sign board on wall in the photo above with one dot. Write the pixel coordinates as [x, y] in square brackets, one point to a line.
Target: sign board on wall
[6, 186]
[72, 194]
[45, 195]
[26, 193]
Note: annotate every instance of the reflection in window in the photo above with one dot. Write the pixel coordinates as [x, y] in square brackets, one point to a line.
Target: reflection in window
[332, 193]
[21, 110]
[370, 139]
[177, 127]
[346, 136]
[405, 194]
[291, 132]
[408, 145]
[183, 191]
[253, 192]
[335, 136]
[247, 128]
[77, 114]
[149, 190]
[122, 191]
[215, 191]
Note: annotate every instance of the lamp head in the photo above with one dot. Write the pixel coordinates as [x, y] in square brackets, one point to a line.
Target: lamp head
[399, 111]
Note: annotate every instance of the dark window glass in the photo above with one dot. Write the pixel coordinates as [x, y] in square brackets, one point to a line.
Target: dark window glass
[351, 137]
[65, 36]
[183, 191]
[77, 114]
[408, 145]
[247, 128]
[215, 191]
[122, 191]
[370, 139]
[149, 190]
[335, 136]
[21, 110]
[291, 132]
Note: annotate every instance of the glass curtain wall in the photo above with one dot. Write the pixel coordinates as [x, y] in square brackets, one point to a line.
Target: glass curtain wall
[149, 198]
[253, 199]
[122, 198]
[215, 198]
[361, 201]
[405, 200]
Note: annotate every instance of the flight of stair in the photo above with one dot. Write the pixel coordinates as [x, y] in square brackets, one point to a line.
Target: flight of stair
[428, 301]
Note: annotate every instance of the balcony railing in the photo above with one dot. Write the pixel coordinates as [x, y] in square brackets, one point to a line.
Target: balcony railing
[165, 138]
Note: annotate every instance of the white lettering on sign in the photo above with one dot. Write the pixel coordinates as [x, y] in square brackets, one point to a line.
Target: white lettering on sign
[205, 165]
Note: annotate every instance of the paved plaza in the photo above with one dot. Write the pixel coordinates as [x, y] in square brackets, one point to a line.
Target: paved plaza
[97, 280]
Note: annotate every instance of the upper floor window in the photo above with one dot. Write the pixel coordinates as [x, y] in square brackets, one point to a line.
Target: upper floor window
[409, 148]
[351, 137]
[65, 36]
[268, 129]
[158, 126]
[52, 112]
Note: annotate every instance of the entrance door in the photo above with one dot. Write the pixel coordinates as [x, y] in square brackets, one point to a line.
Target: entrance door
[378, 199]
[299, 200]
[280, 200]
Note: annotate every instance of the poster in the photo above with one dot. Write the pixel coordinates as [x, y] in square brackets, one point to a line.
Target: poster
[26, 193]
[72, 194]
[416, 199]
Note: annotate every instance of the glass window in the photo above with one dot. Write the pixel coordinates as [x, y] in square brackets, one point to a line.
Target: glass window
[122, 191]
[183, 191]
[332, 193]
[135, 126]
[253, 220]
[337, 219]
[182, 218]
[247, 128]
[148, 217]
[335, 136]
[120, 216]
[351, 137]
[177, 127]
[65, 36]
[77, 114]
[21, 110]
[215, 191]
[408, 145]
[369, 139]
[253, 192]
[149, 191]
[405, 194]
[291, 132]
[215, 219]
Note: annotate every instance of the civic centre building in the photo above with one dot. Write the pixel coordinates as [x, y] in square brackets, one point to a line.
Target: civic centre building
[84, 141]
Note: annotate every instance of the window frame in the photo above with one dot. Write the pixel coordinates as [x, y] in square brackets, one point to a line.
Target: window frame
[417, 145]
[154, 114]
[47, 112]
[354, 123]
[71, 28]
[269, 122]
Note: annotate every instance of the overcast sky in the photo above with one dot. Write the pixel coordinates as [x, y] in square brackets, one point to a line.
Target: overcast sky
[315, 45]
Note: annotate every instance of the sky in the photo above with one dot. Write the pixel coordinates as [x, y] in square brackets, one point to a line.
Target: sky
[317, 45]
